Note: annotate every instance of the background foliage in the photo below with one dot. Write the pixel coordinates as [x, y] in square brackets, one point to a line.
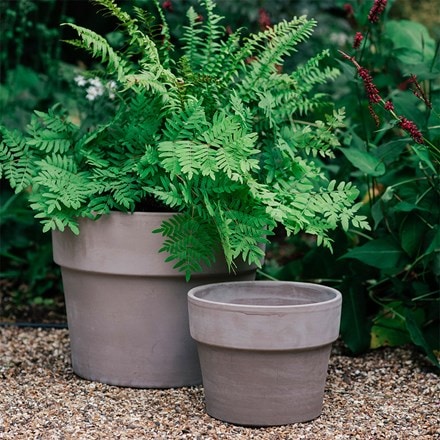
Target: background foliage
[390, 277]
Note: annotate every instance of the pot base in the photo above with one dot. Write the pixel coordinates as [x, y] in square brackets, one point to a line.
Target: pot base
[261, 388]
[130, 331]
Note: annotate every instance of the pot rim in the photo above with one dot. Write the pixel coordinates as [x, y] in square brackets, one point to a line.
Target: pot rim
[225, 305]
[139, 213]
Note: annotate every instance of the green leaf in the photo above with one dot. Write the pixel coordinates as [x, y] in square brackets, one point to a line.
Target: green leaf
[411, 235]
[364, 161]
[423, 154]
[377, 213]
[435, 244]
[383, 253]
[408, 207]
[355, 329]
[411, 41]
[418, 338]
[389, 328]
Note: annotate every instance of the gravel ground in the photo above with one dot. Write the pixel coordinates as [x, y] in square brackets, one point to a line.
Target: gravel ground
[385, 394]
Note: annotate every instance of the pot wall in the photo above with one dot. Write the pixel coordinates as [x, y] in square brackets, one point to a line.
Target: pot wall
[127, 309]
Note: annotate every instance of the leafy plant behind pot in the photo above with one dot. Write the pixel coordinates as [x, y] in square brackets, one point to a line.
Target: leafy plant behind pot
[389, 277]
[221, 135]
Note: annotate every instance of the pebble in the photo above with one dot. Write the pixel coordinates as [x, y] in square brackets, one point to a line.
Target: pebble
[390, 393]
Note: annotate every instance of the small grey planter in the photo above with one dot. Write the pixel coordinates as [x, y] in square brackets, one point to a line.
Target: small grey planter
[264, 348]
[126, 308]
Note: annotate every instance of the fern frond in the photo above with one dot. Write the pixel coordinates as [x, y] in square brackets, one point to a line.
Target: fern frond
[279, 42]
[167, 192]
[126, 195]
[100, 205]
[16, 160]
[167, 46]
[186, 124]
[114, 10]
[216, 188]
[150, 82]
[55, 120]
[187, 157]
[238, 155]
[241, 111]
[189, 240]
[307, 75]
[62, 184]
[59, 221]
[119, 183]
[140, 43]
[248, 233]
[51, 142]
[225, 65]
[212, 35]
[51, 132]
[98, 47]
[192, 38]
[315, 139]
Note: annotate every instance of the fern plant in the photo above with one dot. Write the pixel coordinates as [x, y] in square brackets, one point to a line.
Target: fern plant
[220, 135]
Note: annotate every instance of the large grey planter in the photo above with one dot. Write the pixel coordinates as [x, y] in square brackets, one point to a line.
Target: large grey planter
[127, 309]
[264, 348]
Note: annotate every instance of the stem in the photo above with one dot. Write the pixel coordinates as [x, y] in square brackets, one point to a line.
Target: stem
[384, 305]
[425, 295]
[266, 275]
[416, 261]
[360, 233]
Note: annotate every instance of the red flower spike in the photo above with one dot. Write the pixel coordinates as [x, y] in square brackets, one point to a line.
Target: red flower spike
[357, 40]
[374, 115]
[263, 19]
[370, 89]
[418, 91]
[389, 106]
[404, 84]
[411, 129]
[376, 10]
[348, 10]
[167, 5]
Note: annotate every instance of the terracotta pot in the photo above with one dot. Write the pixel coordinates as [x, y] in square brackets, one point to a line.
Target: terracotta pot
[264, 348]
[126, 309]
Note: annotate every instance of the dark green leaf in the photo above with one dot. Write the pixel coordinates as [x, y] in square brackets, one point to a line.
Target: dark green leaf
[364, 161]
[377, 213]
[407, 207]
[418, 338]
[355, 328]
[383, 253]
[411, 235]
